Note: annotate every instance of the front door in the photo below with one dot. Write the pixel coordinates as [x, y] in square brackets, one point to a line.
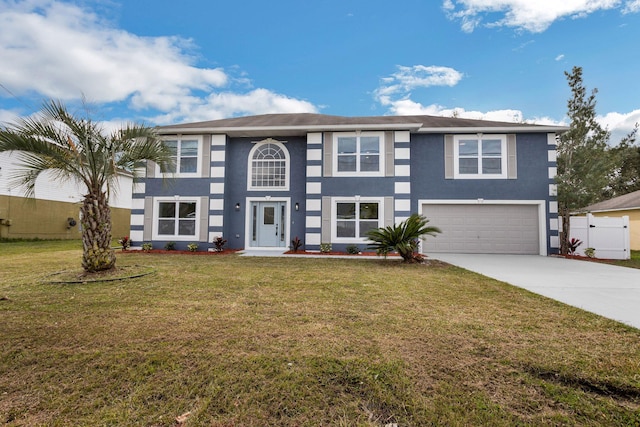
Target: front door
[268, 224]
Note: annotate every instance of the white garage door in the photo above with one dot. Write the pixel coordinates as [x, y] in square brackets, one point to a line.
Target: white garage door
[498, 229]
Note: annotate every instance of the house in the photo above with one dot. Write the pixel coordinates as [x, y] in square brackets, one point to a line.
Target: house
[54, 212]
[629, 205]
[261, 181]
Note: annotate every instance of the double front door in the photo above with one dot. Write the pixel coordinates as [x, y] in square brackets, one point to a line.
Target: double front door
[268, 221]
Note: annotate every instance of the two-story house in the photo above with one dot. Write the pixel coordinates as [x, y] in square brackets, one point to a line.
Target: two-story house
[261, 181]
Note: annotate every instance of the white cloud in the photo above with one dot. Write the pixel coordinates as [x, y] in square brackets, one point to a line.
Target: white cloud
[59, 50]
[533, 16]
[560, 57]
[619, 124]
[401, 83]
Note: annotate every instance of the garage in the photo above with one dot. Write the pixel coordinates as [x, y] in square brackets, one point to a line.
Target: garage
[484, 228]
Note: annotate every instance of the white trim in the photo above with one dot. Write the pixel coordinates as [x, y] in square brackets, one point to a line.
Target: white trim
[314, 154]
[314, 171]
[137, 219]
[542, 212]
[287, 166]
[553, 207]
[247, 223]
[554, 224]
[402, 136]
[313, 222]
[216, 188]
[552, 156]
[314, 205]
[312, 238]
[500, 129]
[402, 187]
[479, 174]
[139, 188]
[314, 188]
[175, 237]
[216, 220]
[553, 172]
[137, 204]
[358, 155]
[314, 138]
[552, 138]
[403, 153]
[613, 210]
[402, 205]
[553, 190]
[244, 130]
[177, 174]
[357, 200]
[216, 204]
[136, 235]
[554, 242]
[402, 170]
[217, 171]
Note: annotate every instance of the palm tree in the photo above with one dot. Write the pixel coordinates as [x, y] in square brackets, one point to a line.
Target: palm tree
[402, 238]
[76, 148]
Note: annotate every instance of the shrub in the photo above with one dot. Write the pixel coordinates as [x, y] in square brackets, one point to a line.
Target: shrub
[573, 245]
[146, 246]
[170, 246]
[590, 252]
[124, 242]
[296, 244]
[219, 243]
[325, 248]
[192, 247]
[353, 249]
[402, 238]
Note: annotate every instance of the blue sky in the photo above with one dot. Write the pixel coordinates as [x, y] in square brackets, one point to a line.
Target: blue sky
[164, 61]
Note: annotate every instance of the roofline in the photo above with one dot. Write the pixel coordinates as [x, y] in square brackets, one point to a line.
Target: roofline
[494, 129]
[415, 127]
[611, 210]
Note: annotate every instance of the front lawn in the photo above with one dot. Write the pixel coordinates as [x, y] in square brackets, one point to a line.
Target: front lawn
[634, 262]
[227, 340]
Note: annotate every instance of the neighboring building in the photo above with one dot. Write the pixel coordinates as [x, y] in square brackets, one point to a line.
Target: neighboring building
[629, 205]
[261, 181]
[55, 207]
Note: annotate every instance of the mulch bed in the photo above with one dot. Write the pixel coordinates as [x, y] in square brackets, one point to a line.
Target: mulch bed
[338, 253]
[164, 251]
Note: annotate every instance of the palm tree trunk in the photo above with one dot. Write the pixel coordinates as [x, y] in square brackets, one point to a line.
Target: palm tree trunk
[96, 233]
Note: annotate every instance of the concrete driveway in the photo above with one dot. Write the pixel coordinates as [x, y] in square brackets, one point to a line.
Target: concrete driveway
[610, 291]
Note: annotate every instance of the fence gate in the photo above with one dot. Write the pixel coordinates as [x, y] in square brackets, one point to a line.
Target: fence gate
[607, 235]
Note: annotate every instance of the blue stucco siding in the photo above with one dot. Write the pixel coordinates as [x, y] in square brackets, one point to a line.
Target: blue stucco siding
[351, 186]
[237, 155]
[428, 175]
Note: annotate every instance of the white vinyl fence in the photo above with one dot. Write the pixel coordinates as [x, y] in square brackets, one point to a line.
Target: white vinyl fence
[607, 235]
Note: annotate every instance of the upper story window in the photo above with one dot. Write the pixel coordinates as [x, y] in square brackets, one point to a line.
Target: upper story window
[186, 153]
[480, 156]
[358, 154]
[269, 166]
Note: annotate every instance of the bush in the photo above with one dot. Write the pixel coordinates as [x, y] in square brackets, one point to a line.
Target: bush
[590, 252]
[170, 246]
[219, 243]
[353, 249]
[146, 246]
[325, 248]
[402, 238]
[124, 242]
[192, 247]
[296, 244]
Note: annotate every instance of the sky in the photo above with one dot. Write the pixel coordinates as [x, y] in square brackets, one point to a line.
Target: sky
[164, 62]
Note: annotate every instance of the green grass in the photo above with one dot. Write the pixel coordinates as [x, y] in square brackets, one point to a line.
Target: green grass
[634, 262]
[300, 342]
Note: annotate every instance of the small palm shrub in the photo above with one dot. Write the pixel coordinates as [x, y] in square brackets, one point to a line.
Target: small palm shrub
[353, 249]
[219, 243]
[170, 246]
[296, 244]
[402, 238]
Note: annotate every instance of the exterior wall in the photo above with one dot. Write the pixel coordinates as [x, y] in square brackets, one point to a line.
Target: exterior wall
[46, 219]
[414, 171]
[634, 224]
[533, 182]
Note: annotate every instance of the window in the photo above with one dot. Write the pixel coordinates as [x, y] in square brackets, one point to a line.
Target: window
[269, 166]
[186, 156]
[358, 153]
[176, 219]
[354, 218]
[481, 156]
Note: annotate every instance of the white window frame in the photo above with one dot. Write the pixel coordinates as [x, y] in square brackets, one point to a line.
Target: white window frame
[358, 200]
[250, 186]
[175, 237]
[177, 173]
[480, 175]
[357, 172]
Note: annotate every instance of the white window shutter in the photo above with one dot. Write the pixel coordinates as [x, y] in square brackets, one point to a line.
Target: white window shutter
[512, 158]
[327, 147]
[448, 157]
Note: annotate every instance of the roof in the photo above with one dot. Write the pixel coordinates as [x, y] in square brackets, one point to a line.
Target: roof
[302, 123]
[628, 201]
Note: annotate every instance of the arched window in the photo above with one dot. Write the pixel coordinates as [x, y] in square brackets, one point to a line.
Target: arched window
[269, 165]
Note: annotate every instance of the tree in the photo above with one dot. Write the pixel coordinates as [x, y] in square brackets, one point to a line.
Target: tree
[76, 148]
[625, 175]
[402, 238]
[583, 160]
